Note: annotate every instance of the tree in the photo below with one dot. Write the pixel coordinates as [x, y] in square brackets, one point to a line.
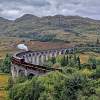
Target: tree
[59, 58]
[75, 59]
[53, 60]
[75, 86]
[92, 62]
[63, 61]
[70, 59]
[97, 42]
[48, 63]
[97, 73]
[78, 61]
[29, 90]
[6, 64]
[67, 60]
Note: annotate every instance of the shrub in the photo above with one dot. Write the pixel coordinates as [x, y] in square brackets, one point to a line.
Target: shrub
[56, 65]
[6, 64]
[29, 90]
[69, 70]
[86, 72]
[97, 73]
[45, 96]
[75, 86]
[10, 83]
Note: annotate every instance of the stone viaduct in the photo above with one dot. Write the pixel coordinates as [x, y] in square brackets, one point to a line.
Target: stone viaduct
[30, 63]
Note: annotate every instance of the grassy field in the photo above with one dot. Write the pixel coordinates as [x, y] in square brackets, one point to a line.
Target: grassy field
[3, 84]
[85, 56]
[9, 45]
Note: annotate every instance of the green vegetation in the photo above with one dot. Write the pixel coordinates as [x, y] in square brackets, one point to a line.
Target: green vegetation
[80, 76]
[69, 60]
[6, 64]
[41, 37]
[57, 86]
[78, 81]
[44, 38]
[75, 82]
[66, 28]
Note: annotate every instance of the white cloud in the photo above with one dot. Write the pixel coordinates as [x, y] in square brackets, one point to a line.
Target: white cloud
[14, 8]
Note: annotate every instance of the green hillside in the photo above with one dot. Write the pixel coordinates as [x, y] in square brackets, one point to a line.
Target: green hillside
[67, 28]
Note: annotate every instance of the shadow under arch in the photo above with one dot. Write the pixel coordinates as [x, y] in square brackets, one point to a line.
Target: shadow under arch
[30, 76]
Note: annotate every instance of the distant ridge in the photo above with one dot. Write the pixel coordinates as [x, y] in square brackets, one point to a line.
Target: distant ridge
[28, 24]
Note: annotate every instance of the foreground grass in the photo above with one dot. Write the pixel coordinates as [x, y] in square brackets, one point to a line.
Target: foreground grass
[3, 84]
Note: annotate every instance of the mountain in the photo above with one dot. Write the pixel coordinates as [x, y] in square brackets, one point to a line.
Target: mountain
[4, 24]
[62, 27]
[26, 17]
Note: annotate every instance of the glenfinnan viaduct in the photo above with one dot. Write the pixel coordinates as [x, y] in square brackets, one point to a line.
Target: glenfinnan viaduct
[30, 63]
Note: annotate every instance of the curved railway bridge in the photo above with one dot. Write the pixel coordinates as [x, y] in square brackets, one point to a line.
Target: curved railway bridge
[30, 63]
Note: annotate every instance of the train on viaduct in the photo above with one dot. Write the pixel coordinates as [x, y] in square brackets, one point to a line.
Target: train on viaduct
[31, 63]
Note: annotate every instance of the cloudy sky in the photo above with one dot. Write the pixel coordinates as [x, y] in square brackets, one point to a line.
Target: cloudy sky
[12, 9]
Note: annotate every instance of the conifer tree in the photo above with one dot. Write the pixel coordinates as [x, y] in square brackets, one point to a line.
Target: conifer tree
[75, 59]
[6, 65]
[78, 61]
